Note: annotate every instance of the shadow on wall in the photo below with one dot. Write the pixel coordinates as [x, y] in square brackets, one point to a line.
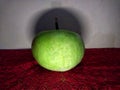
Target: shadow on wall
[66, 20]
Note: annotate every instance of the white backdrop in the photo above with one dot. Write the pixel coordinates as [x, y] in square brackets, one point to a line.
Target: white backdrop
[100, 18]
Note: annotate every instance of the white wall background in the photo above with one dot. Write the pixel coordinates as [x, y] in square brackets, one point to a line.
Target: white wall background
[101, 19]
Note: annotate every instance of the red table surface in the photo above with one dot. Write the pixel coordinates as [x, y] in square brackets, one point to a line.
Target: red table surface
[99, 70]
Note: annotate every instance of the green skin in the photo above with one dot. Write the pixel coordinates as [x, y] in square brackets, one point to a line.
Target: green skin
[58, 50]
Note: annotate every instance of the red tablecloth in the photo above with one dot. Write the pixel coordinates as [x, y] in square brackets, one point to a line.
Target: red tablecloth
[99, 70]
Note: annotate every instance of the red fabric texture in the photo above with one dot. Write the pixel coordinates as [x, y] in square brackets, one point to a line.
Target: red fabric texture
[99, 70]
